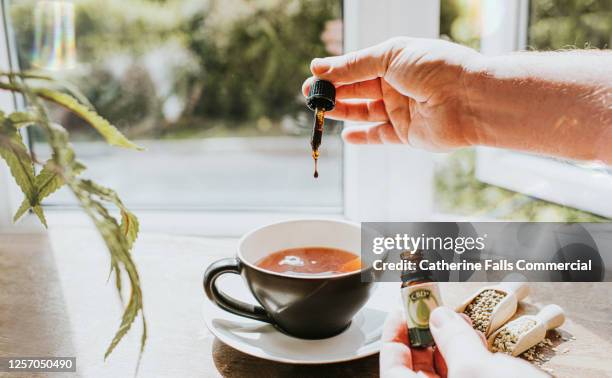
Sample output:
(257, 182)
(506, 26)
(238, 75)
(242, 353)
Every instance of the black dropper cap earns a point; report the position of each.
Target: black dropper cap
(322, 95)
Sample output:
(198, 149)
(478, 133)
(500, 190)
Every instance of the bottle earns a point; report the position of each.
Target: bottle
(321, 99)
(420, 295)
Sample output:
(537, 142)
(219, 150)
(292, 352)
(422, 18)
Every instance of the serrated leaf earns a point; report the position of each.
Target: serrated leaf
(54, 82)
(116, 238)
(109, 132)
(115, 269)
(39, 213)
(16, 156)
(25, 206)
(92, 198)
(49, 180)
(46, 182)
(129, 226)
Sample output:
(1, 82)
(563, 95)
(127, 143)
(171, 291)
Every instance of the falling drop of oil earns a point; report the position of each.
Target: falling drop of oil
(315, 156)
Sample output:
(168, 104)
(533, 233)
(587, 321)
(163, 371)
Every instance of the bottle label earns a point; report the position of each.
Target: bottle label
(419, 301)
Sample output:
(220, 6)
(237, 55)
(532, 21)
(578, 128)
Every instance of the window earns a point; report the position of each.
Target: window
(213, 92)
(210, 89)
(257, 163)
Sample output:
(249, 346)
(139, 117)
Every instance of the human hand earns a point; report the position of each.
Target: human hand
(460, 351)
(413, 88)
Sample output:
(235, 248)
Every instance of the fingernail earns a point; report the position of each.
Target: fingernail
(319, 66)
(440, 316)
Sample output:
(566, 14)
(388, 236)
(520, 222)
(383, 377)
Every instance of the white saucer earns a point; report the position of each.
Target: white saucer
(360, 339)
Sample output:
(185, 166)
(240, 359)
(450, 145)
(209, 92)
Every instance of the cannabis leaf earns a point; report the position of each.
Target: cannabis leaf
(109, 132)
(63, 170)
(118, 239)
(53, 83)
(46, 182)
(16, 156)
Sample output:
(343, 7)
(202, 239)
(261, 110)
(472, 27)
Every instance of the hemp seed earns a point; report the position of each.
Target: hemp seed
(534, 355)
(508, 337)
(481, 308)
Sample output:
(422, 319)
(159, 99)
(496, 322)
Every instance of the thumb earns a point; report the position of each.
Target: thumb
(455, 338)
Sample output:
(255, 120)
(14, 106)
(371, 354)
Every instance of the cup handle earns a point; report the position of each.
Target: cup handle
(214, 271)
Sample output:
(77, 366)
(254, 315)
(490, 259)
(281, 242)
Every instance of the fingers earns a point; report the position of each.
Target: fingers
(455, 338)
(383, 133)
(360, 65)
(396, 357)
(395, 353)
(394, 329)
(362, 111)
(439, 362)
(369, 89)
(480, 334)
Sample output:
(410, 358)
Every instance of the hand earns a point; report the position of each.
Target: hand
(413, 88)
(460, 351)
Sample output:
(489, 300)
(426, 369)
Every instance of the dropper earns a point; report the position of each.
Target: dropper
(321, 98)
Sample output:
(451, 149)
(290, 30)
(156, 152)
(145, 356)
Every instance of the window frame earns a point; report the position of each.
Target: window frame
(378, 183)
(505, 29)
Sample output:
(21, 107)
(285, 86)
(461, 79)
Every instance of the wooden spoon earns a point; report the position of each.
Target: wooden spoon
(549, 317)
(506, 308)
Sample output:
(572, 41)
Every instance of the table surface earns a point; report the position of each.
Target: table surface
(55, 301)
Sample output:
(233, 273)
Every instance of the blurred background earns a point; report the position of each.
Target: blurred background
(212, 90)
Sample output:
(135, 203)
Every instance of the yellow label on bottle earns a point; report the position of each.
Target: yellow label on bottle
(419, 301)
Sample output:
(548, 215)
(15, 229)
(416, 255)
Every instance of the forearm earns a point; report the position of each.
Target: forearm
(557, 104)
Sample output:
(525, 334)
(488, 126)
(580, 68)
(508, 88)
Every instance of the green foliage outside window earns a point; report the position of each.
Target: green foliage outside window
(238, 69)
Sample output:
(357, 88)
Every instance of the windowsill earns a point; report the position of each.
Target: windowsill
(184, 222)
(199, 222)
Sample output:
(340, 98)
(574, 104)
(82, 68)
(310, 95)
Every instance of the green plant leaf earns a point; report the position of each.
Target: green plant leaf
(118, 239)
(46, 182)
(109, 132)
(53, 82)
(25, 206)
(39, 213)
(19, 161)
(22, 119)
(129, 226)
(63, 169)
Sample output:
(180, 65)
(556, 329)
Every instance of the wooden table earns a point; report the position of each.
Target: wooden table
(55, 301)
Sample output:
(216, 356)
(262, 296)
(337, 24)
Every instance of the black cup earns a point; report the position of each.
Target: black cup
(309, 307)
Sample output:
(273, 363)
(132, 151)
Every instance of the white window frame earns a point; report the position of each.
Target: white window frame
(381, 183)
(388, 183)
(505, 27)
